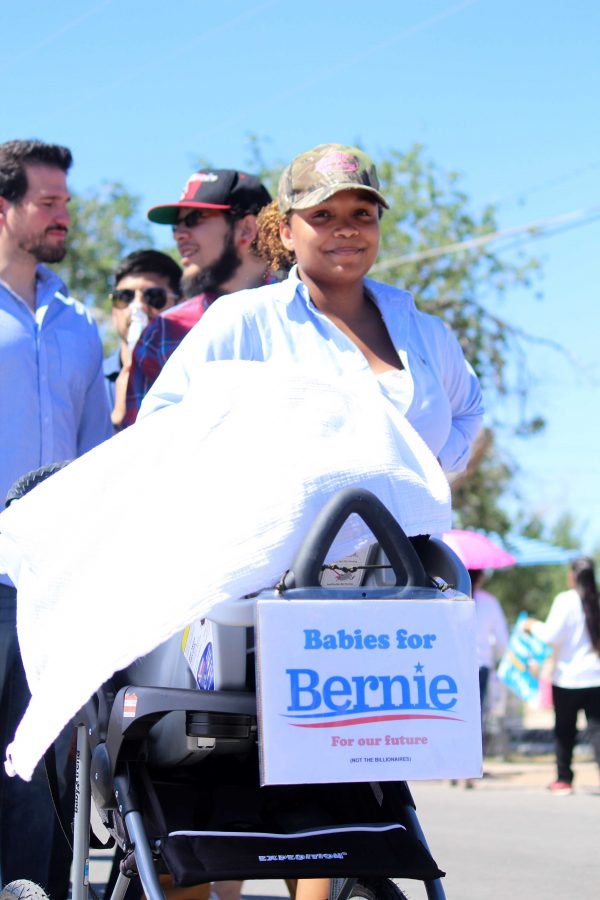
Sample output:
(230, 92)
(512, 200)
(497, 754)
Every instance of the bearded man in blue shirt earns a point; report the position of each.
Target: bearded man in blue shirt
(53, 407)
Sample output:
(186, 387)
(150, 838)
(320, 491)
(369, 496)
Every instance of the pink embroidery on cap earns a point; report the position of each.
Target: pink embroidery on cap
(337, 160)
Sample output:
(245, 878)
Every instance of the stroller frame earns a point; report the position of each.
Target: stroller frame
(111, 742)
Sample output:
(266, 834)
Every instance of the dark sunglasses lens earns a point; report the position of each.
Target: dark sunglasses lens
(190, 220)
(122, 297)
(155, 297)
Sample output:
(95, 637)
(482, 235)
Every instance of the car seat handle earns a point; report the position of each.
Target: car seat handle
(306, 568)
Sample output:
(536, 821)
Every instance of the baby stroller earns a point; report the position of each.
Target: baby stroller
(173, 770)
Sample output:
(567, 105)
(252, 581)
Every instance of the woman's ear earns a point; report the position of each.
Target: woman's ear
(285, 233)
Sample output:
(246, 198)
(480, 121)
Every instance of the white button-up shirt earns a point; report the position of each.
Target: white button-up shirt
(279, 323)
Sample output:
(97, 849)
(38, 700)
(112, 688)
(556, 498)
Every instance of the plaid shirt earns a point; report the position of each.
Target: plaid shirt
(157, 342)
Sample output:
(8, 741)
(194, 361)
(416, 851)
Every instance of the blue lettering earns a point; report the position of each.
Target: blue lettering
(364, 682)
(436, 688)
(414, 641)
(312, 639)
(330, 691)
(308, 687)
(385, 692)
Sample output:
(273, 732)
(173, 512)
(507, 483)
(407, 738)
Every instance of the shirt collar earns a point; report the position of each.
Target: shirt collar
(48, 284)
(394, 304)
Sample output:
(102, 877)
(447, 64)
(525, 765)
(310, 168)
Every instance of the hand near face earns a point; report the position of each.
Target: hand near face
(118, 412)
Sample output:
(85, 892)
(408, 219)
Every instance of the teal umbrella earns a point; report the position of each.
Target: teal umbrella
(529, 551)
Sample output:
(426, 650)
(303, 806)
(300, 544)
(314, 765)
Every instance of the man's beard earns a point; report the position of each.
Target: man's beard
(211, 278)
(42, 251)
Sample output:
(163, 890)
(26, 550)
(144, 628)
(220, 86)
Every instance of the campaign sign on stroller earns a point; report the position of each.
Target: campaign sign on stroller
(377, 690)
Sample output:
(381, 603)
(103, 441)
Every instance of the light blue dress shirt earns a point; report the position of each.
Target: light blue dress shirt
(53, 403)
(279, 323)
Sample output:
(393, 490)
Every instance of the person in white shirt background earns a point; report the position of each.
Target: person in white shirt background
(573, 630)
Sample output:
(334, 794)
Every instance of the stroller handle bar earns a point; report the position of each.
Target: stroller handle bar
(401, 554)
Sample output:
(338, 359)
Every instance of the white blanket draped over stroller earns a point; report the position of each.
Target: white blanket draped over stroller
(191, 509)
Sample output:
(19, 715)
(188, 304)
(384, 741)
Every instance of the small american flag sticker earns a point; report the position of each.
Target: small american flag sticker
(130, 705)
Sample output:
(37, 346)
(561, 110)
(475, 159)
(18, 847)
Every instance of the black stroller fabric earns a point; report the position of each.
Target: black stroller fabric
(228, 827)
(368, 851)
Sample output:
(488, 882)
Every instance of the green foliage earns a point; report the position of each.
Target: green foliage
(476, 498)
(429, 210)
(530, 588)
(258, 165)
(106, 226)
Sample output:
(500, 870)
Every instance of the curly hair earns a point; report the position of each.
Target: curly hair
(268, 239)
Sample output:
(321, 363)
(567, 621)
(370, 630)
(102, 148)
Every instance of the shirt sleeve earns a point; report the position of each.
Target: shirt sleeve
(223, 333)
(466, 403)
(555, 629)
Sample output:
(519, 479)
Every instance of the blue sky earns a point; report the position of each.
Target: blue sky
(503, 91)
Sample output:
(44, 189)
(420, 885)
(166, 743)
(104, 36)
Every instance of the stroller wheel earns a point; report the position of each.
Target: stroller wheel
(376, 889)
(23, 890)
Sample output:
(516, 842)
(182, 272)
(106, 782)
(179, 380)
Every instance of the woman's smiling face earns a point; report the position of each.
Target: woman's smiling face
(335, 242)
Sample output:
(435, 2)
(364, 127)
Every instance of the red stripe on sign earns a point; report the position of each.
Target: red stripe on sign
(367, 720)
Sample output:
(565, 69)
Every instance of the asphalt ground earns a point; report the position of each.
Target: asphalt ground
(459, 824)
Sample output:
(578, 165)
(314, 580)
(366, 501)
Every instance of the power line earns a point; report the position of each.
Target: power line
(32, 50)
(535, 229)
(346, 62)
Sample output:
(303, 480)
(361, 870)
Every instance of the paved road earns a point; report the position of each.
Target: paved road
(508, 837)
(521, 843)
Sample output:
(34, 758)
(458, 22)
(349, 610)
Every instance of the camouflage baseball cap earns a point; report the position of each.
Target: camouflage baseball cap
(318, 174)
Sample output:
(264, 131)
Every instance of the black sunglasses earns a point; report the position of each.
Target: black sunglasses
(156, 297)
(195, 216)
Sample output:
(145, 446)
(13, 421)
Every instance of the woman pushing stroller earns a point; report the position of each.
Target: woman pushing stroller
(324, 228)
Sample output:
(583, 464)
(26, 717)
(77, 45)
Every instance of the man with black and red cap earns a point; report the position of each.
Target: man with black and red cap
(214, 224)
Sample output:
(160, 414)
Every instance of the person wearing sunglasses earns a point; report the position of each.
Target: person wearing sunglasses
(214, 226)
(146, 284)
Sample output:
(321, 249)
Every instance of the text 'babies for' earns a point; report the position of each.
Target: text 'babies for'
(358, 694)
